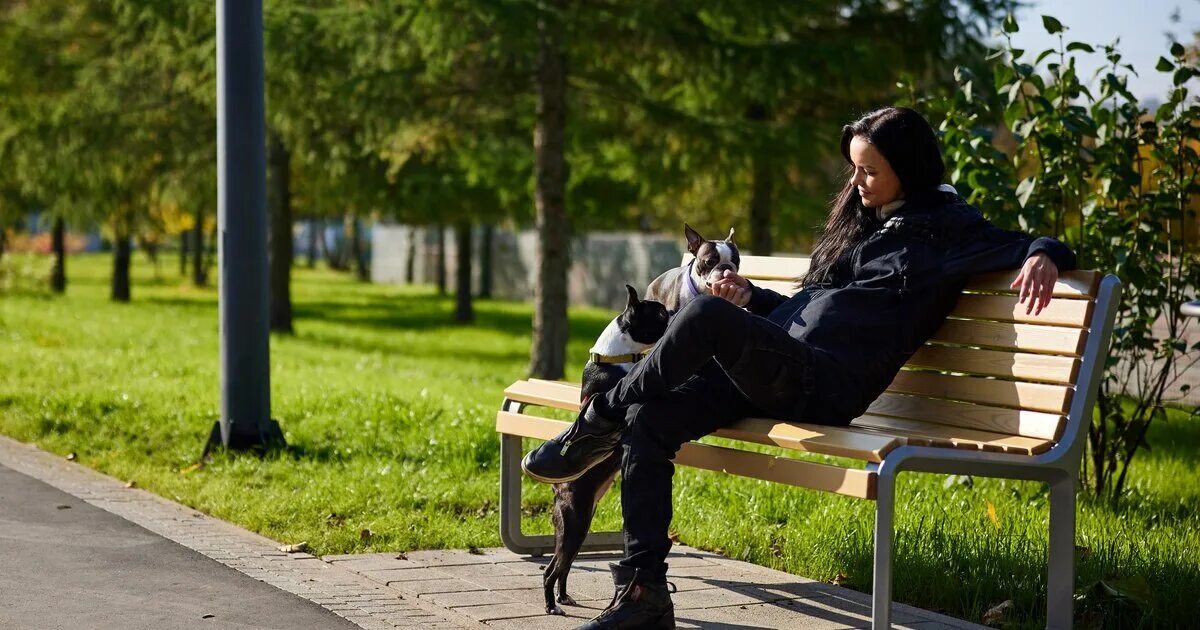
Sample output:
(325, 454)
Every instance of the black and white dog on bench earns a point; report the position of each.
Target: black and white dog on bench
(622, 343)
(711, 259)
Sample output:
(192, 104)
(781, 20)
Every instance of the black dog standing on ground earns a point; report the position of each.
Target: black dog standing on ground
(638, 327)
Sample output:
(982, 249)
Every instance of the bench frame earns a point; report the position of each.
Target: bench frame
(1059, 467)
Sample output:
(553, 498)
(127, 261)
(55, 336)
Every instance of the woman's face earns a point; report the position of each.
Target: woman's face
(874, 178)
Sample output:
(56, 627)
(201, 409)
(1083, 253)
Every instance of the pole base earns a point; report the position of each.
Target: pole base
(268, 438)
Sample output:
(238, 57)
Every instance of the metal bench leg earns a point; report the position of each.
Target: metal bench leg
(1060, 577)
(510, 505)
(885, 510)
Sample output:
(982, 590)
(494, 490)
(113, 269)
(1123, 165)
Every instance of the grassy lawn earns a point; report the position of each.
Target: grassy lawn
(388, 410)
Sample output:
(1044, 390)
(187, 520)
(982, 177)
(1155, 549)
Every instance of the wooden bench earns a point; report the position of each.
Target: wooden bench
(995, 392)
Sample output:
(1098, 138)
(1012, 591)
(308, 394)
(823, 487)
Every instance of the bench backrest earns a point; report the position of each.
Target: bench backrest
(991, 368)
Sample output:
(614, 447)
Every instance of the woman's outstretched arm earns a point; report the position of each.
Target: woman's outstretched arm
(977, 246)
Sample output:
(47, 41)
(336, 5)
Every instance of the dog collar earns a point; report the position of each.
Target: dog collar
(615, 358)
(691, 285)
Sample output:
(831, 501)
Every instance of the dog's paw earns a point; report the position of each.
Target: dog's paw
(555, 610)
(566, 599)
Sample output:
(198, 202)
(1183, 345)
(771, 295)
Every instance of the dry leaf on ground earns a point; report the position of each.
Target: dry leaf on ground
(997, 614)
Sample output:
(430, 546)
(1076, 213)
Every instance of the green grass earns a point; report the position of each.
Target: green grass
(388, 410)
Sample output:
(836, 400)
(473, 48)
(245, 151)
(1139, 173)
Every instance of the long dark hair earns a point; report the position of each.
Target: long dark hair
(905, 138)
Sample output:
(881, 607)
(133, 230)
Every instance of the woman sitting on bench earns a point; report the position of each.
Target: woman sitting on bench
(895, 253)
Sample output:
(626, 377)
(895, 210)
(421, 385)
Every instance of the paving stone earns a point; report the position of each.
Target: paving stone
(471, 598)
(506, 582)
(535, 597)
(387, 576)
(372, 562)
(543, 622)
(499, 611)
(787, 614)
(772, 592)
(447, 557)
(528, 566)
(425, 587)
(470, 571)
(713, 597)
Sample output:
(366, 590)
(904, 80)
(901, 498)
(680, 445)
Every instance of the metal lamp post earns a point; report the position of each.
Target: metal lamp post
(245, 421)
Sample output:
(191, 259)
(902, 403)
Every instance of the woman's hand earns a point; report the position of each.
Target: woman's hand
(732, 287)
(1036, 281)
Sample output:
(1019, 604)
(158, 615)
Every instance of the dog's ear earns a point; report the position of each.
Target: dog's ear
(633, 298)
(694, 240)
(729, 239)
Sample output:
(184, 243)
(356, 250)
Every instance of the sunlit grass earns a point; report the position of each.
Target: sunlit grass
(388, 409)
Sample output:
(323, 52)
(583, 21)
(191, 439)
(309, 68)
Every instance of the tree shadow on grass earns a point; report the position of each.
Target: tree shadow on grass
(382, 313)
(408, 312)
(499, 359)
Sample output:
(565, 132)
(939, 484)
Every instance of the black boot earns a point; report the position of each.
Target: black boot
(568, 455)
(640, 602)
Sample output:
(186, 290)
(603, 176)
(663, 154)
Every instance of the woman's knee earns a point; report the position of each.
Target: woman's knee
(706, 311)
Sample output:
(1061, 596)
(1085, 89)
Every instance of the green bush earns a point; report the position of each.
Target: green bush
(1036, 147)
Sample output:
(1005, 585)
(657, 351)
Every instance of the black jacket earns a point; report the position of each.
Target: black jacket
(889, 294)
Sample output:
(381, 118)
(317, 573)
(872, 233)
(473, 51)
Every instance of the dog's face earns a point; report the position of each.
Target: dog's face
(713, 258)
(644, 321)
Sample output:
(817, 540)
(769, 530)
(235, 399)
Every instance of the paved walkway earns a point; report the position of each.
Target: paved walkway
(68, 564)
(117, 556)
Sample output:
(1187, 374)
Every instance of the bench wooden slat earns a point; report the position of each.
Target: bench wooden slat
(925, 434)
(836, 441)
(1017, 394)
(1020, 365)
(846, 481)
(1071, 284)
(812, 438)
(1010, 336)
(1007, 308)
(770, 267)
(544, 393)
(1035, 424)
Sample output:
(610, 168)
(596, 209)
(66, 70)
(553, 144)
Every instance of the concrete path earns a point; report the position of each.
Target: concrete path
(503, 590)
(68, 564)
(120, 557)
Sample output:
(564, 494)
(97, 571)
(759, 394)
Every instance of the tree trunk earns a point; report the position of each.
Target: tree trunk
(463, 311)
(199, 272)
(441, 259)
(323, 245)
(58, 275)
(312, 244)
(485, 262)
(357, 252)
(3, 240)
(151, 249)
(548, 352)
(410, 258)
(122, 252)
(343, 249)
(760, 197)
(210, 254)
(184, 238)
(279, 203)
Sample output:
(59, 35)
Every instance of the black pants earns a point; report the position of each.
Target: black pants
(715, 365)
